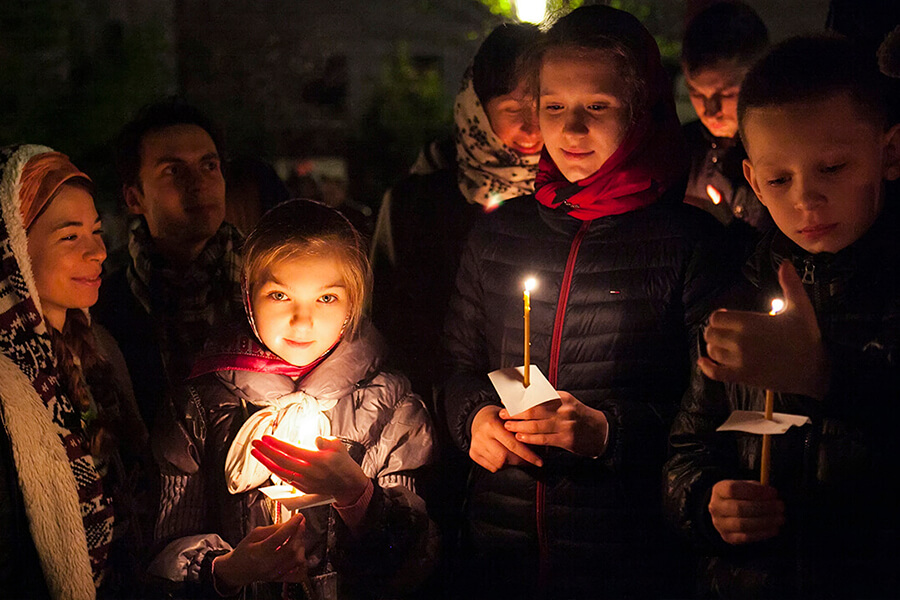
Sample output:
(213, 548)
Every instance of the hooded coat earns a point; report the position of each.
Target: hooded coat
(43, 545)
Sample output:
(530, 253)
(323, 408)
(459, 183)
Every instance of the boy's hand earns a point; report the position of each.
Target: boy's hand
(493, 447)
(565, 423)
(329, 470)
(273, 553)
(745, 511)
(782, 352)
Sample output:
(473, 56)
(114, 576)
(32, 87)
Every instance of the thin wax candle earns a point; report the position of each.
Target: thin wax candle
(766, 458)
(526, 296)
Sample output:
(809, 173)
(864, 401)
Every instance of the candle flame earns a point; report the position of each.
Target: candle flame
(713, 194)
(777, 306)
(530, 284)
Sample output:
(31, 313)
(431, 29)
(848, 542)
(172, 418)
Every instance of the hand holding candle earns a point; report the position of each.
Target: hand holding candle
(784, 353)
(530, 284)
(329, 470)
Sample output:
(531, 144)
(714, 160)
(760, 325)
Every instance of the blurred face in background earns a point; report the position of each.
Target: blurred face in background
(714, 95)
(513, 118)
(181, 190)
(67, 253)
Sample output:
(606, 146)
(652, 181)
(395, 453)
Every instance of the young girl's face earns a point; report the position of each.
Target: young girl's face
(300, 306)
(67, 253)
(583, 111)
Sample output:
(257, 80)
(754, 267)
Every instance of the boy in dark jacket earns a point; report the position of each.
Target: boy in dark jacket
(821, 156)
(720, 45)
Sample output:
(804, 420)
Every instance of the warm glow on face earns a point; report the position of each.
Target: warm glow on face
(530, 284)
(713, 194)
(531, 11)
(777, 306)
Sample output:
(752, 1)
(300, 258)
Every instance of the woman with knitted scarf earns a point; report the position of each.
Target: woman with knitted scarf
(71, 435)
(563, 499)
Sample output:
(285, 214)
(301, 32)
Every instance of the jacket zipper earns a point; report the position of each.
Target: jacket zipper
(556, 340)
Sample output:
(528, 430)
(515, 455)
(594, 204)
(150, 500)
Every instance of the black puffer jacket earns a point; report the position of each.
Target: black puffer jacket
(835, 476)
(617, 298)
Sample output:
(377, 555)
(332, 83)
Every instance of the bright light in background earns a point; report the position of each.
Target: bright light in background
(531, 11)
(713, 194)
(530, 284)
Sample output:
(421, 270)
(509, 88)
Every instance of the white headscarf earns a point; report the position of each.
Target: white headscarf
(489, 170)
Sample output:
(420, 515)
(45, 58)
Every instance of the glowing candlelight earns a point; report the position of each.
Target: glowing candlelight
(714, 194)
(766, 458)
(530, 284)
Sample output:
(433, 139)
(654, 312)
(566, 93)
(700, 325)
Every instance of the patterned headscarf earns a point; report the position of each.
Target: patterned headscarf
(489, 170)
(69, 516)
(41, 178)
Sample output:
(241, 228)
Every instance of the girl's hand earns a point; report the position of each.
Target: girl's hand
(273, 553)
(493, 447)
(565, 423)
(329, 470)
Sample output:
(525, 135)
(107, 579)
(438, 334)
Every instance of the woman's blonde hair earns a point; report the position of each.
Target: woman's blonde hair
(299, 228)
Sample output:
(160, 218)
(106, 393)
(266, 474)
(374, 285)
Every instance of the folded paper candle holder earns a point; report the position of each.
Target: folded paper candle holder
(293, 499)
(515, 396)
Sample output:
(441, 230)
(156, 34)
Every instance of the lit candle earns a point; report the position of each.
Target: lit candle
(529, 285)
(766, 458)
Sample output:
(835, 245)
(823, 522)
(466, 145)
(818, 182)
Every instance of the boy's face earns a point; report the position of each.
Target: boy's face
(300, 306)
(819, 166)
(714, 95)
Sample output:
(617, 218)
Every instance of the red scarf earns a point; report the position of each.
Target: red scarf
(649, 160)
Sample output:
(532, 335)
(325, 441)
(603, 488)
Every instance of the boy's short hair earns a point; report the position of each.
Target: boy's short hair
(724, 31)
(495, 68)
(300, 228)
(155, 117)
(815, 67)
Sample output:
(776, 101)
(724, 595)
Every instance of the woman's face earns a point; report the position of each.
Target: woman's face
(67, 253)
(583, 112)
(513, 118)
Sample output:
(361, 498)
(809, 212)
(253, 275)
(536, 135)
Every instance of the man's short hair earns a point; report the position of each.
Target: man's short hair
(151, 118)
(815, 67)
(724, 31)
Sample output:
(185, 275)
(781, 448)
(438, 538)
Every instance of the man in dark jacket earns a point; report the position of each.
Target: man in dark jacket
(182, 274)
(814, 119)
(720, 44)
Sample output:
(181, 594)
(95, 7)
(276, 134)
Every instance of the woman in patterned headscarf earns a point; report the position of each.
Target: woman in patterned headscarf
(425, 218)
(63, 401)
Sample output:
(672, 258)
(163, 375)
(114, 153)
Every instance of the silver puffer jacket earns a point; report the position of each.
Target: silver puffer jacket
(386, 429)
